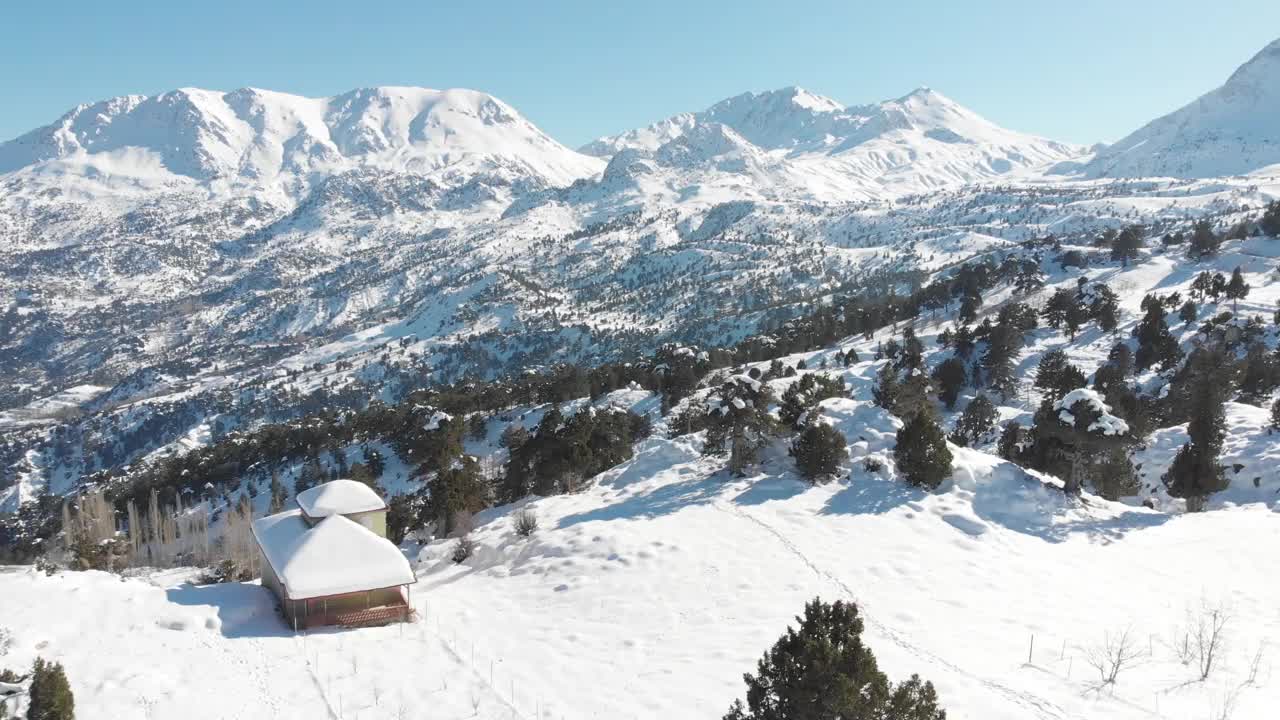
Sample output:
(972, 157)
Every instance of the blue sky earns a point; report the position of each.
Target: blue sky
(1078, 71)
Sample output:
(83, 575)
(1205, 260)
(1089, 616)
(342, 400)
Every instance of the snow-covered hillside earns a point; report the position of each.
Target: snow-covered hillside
(1228, 131)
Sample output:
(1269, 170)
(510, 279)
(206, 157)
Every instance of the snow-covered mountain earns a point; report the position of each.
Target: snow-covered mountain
(196, 242)
(919, 141)
(259, 138)
(1232, 130)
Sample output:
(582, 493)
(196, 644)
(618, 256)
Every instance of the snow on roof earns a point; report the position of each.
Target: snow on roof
(336, 556)
(339, 497)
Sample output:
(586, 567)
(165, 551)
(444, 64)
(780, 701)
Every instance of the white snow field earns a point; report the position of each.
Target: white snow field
(649, 594)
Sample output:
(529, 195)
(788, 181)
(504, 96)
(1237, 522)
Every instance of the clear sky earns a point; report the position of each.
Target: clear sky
(1075, 70)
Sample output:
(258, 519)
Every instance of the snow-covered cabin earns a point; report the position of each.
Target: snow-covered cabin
(329, 561)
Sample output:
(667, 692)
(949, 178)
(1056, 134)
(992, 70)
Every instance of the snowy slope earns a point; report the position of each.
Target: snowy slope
(664, 582)
(1229, 131)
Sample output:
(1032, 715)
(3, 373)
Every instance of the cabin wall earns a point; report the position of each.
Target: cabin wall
(321, 611)
(375, 520)
(269, 579)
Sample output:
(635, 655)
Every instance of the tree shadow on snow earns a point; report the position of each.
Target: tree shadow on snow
(244, 610)
(871, 495)
(770, 489)
(662, 500)
(1022, 502)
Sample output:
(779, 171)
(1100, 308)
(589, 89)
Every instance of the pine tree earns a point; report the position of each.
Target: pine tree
(823, 671)
(1188, 313)
(997, 362)
(1126, 245)
(1237, 289)
(739, 419)
(1060, 304)
(1057, 376)
(1204, 241)
(1080, 427)
(1156, 345)
(978, 419)
(921, 452)
(804, 394)
(1259, 376)
(1270, 222)
(1195, 473)
(1275, 414)
(818, 451)
(1115, 477)
(49, 697)
(1104, 308)
(950, 375)
(969, 306)
(886, 391)
(911, 356)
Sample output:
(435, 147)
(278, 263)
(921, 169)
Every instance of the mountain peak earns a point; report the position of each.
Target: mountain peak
(1230, 130)
(253, 136)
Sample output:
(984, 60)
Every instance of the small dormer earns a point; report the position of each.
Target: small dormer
(353, 500)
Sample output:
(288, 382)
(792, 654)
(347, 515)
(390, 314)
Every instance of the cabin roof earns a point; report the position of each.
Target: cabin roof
(339, 497)
(336, 556)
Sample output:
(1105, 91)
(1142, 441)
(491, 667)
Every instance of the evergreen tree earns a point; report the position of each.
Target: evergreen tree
(1275, 414)
(997, 362)
(913, 396)
(978, 419)
(1237, 289)
(1080, 429)
(1059, 306)
(1056, 376)
(1201, 285)
(823, 671)
(1195, 473)
(1259, 376)
(921, 453)
(911, 356)
(1188, 313)
(1156, 345)
(738, 417)
(887, 389)
(1126, 245)
(49, 697)
(950, 375)
(804, 394)
(1104, 308)
(455, 491)
(969, 306)
(1011, 439)
(962, 342)
(818, 450)
(1270, 222)
(1204, 241)
(1115, 477)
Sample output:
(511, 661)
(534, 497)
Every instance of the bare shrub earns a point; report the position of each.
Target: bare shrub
(1208, 636)
(526, 522)
(1116, 653)
(464, 549)
(1255, 664)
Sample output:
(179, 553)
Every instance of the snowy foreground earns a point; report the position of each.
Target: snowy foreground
(649, 594)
